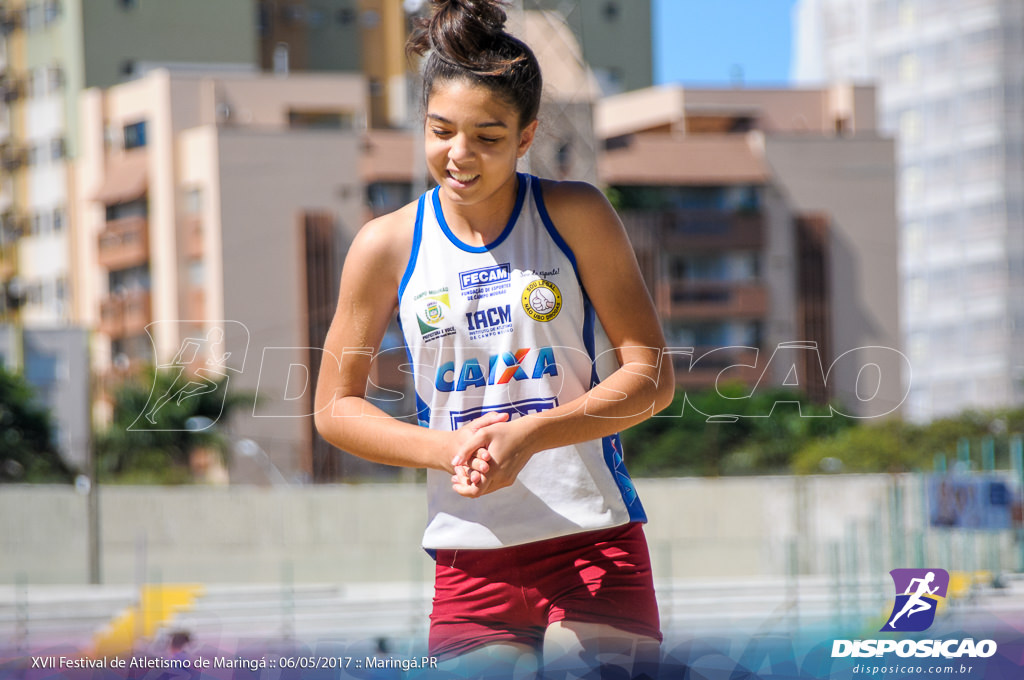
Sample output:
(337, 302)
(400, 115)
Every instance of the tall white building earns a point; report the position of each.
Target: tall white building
(951, 88)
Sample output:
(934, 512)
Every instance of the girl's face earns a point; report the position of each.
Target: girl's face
(473, 141)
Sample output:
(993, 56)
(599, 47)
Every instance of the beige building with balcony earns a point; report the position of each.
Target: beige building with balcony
(765, 225)
(214, 214)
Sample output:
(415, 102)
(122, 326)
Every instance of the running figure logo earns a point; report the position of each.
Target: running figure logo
(918, 592)
(201, 365)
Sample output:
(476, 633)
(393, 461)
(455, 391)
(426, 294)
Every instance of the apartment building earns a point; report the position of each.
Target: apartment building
(214, 214)
(765, 225)
(950, 78)
(54, 49)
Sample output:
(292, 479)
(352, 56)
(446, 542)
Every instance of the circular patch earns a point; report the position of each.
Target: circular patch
(542, 300)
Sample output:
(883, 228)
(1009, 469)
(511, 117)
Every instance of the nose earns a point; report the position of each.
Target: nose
(460, 149)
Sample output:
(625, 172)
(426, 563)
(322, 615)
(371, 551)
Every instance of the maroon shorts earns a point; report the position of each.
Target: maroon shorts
(513, 594)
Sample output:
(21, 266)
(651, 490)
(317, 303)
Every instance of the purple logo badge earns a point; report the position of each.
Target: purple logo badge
(918, 592)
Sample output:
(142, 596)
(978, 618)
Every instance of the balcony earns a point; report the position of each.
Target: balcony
(700, 230)
(711, 301)
(125, 314)
(124, 243)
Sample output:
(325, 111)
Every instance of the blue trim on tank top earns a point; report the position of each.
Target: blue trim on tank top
(612, 448)
(542, 210)
(417, 237)
(439, 214)
(422, 407)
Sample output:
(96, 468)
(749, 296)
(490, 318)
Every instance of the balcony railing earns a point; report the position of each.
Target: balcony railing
(704, 230)
(124, 243)
(711, 300)
(125, 314)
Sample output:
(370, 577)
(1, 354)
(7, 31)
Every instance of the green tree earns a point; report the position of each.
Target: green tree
(897, 446)
(27, 452)
(133, 450)
(728, 431)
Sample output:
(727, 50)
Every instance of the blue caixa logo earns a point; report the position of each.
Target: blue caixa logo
(918, 592)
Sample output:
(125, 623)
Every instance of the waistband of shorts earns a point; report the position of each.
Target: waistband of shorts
(525, 551)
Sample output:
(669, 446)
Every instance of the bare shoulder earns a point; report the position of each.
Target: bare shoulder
(566, 197)
(384, 243)
(580, 212)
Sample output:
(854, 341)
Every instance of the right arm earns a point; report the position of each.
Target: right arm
(366, 299)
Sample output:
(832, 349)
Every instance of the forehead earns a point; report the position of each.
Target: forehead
(465, 101)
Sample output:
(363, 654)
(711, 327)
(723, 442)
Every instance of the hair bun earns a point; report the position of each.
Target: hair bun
(488, 15)
(460, 32)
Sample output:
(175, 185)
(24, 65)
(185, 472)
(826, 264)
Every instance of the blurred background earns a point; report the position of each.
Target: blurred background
(826, 199)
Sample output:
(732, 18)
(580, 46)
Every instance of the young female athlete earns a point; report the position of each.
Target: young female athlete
(499, 279)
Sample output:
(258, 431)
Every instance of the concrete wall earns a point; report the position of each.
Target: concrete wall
(749, 527)
(854, 184)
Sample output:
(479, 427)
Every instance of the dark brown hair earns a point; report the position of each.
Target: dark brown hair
(465, 39)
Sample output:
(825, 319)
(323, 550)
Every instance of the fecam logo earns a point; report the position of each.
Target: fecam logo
(918, 592)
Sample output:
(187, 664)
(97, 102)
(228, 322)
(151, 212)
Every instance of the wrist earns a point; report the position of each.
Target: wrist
(439, 451)
(529, 431)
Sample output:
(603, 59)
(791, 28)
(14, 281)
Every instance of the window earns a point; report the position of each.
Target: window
(196, 273)
(907, 14)
(42, 369)
(33, 17)
(910, 127)
(55, 78)
(51, 11)
(385, 197)
(37, 82)
(34, 154)
(909, 68)
(135, 135)
(123, 280)
(193, 201)
(57, 148)
(321, 120)
(137, 208)
(345, 16)
(59, 220)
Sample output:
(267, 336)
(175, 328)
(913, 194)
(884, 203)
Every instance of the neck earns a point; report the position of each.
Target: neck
(481, 223)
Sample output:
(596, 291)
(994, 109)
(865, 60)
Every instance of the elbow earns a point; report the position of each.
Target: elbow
(666, 390)
(326, 423)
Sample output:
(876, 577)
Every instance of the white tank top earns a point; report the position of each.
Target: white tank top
(507, 327)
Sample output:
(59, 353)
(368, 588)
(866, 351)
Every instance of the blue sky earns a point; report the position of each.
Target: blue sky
(710, 41)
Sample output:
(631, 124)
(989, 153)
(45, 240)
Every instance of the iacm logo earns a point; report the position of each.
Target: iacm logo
(918, 592)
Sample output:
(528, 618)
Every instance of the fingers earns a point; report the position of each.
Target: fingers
(468, 490)
(476, 441)
(489, 418)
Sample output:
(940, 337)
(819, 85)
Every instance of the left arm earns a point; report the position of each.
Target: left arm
(644, 383)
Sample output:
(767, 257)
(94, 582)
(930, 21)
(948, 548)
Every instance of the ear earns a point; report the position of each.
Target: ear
(526, 138)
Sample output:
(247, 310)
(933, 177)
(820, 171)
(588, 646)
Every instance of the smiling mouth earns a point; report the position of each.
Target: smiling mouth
(463, 178)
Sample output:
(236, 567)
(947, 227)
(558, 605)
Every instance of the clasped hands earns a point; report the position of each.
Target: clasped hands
(490, 453)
